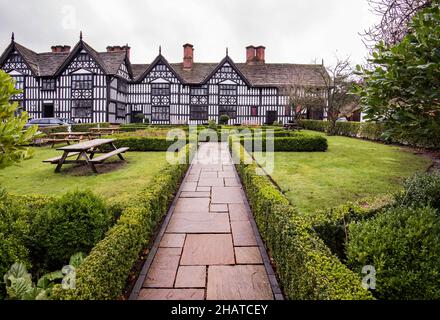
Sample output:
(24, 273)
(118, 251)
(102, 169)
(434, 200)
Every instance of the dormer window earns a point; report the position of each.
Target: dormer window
(48, 84)
(122, 85)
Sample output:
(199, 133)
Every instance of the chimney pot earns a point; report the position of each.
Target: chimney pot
(60, 48)
(120, 49)
(188, 56)
(260, 54)
(250, 54)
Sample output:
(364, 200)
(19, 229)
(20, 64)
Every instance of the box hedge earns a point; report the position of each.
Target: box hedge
(403, 244)
(305, 265)
(370, 131)
(104, 273)
(298, 142)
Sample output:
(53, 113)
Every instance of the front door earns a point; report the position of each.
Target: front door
(271, 117)
(48, 110)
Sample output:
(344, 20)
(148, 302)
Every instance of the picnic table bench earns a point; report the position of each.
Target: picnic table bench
(68, 137)
(85, 153)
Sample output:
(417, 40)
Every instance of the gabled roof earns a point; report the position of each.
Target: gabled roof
(159, 59)
(50, 64)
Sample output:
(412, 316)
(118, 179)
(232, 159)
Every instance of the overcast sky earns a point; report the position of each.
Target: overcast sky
(293, 31)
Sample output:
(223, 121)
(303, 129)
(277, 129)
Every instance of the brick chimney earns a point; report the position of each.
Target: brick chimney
(188, 56)
(119, 49)
(59, 48)
(250, 55)
(260, 54)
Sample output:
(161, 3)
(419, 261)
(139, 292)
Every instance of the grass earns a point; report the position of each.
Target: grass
(351, 170)
(118, 178)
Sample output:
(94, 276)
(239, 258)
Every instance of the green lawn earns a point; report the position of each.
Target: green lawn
(34, 177)
(352, 169)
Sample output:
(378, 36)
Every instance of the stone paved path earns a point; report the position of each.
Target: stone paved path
(208, 247)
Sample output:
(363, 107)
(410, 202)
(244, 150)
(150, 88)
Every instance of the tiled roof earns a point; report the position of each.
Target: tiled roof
(269, 74)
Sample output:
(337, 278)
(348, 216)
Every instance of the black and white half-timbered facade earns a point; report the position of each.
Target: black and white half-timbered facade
(89, 86)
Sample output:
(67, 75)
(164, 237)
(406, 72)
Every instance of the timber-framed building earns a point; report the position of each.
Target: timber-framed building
(85, 85)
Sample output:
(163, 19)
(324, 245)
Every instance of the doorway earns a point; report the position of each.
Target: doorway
(48, 110)
(271, 117)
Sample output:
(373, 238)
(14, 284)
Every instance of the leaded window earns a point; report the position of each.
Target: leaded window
(198, 113)
(160, 113)
(120, 110)
(82, 82)
(160, 89)
(48, 84)
(230, 111)
(161, 67)
(122, 85)
(228, 89)
(82, 108)
(228, 100)
(199, 91)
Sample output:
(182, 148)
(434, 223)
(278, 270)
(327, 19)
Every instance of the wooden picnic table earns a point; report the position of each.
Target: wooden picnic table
(58, 137)
(85, 153)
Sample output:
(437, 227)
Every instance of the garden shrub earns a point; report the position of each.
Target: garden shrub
(104, 272)
(13, 232)
(85, 127)
(371, 131)
(146, 143)
(306, 267)
(332, 225)
(298, 142)
(72, 223)
(403, 245)
(420, 190)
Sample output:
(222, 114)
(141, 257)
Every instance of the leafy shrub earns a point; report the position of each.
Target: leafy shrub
(104, 272)
(403, 245)
(420, 190)
(14, 230)
(332, 225)
(19, 285)
(85, 127)
(223, 120)
(73, 223)
(306, 267)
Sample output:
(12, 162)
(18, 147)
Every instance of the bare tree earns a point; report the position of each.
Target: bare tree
(395, 17)
(302, 99)
(338, 82)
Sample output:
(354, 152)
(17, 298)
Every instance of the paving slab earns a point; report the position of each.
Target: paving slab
(189, 186)
(243, 234)
(238, 212)
(232, 182)
(192, 205)
(208, 249)
(226, 195)
(172, 240)
(242, 282)
(248, 255)
(211, 182)
(191, 277)
(172, 294)
(195, 194)
(163, 269)
(219, 208)
(203, 222)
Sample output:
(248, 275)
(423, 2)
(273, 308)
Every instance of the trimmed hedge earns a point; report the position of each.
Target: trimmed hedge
(305, 265)
(298, 142)
(104, 272)
(146, 143)
(370, 131)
